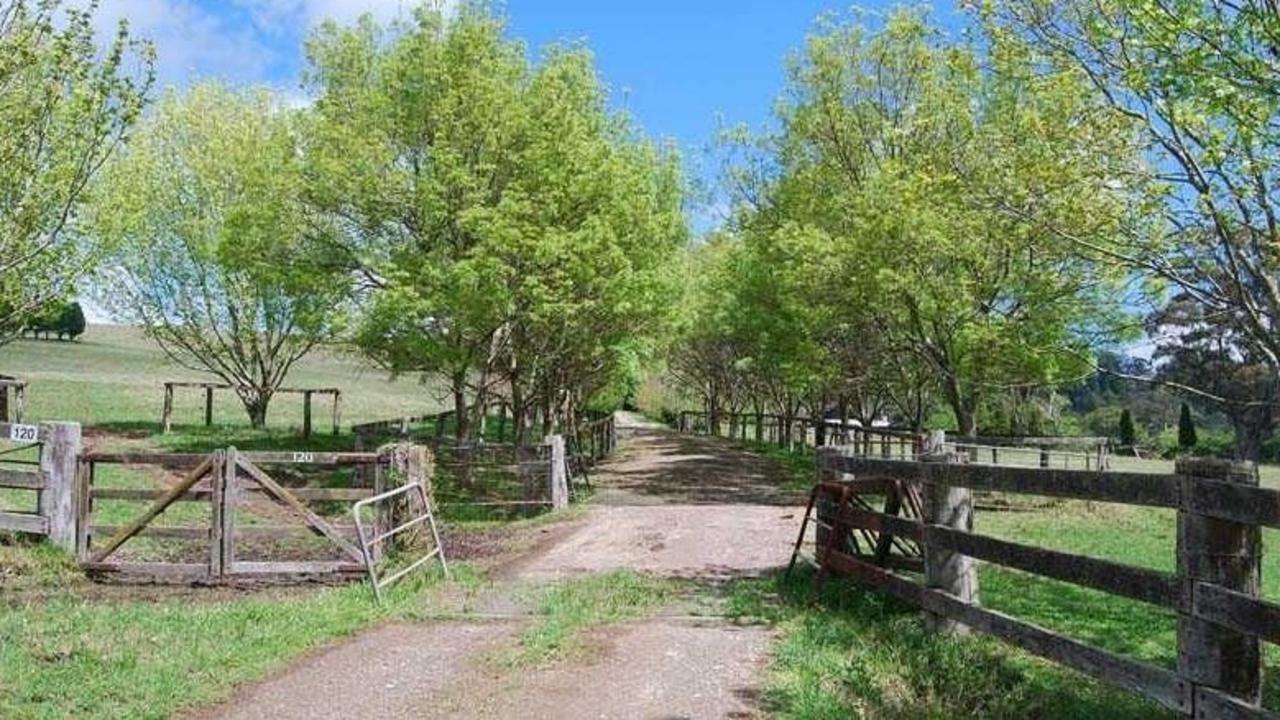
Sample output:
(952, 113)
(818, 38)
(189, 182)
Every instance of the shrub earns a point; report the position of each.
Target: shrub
(64, 320)
(1186, 428)
(1128, 434)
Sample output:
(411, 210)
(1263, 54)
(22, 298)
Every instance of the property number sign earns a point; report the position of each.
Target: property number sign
(24, 433)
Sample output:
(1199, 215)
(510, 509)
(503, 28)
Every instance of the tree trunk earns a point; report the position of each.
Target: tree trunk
(480, 411)
(256, 407)
(844, 420)
(964, 407)
(1252, 428)
(547, 417)
(517, 413)
(461, 417)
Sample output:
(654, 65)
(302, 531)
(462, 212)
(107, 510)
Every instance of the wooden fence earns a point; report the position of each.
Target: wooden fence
(1215, 590)
(1050, 451)
(166, 415)
(245, 523)
(17, 389)
(40, 461)
(502, 474)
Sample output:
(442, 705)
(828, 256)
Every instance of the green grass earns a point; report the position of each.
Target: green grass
(113, 376)
(63, 657)
(566, 610)
(851, 664)
(847, 652)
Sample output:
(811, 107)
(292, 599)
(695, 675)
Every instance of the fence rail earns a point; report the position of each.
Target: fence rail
(50, 478)
(1215, 590)
(585, 444)
(897, 443)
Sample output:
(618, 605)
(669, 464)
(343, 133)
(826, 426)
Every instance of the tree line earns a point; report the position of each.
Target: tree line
(447, 207)
(968, 222)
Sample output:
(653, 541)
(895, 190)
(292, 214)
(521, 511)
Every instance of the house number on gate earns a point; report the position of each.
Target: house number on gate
(24, 433)
(303, 457)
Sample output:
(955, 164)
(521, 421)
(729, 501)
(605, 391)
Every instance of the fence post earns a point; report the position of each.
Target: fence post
(1227, 554)
(559, 479)
(337, 412)
(58, 461)
(950, 507)
(230, 500)
(166, 415)
(306, 414)
(414, 464)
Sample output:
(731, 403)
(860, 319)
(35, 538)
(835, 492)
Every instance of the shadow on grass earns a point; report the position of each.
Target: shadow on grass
(845, 651)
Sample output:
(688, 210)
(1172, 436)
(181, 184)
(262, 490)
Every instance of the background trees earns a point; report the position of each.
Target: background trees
(64, 108)
(894, 230)
(62, 320)
(512, 235)
(213, 253)
(1201, 79)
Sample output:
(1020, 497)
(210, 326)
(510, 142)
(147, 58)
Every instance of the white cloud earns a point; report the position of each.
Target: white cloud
(242, 41)
(278, 14)
(190, 41)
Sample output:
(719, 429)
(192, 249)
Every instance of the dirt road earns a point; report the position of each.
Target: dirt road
(667, 505)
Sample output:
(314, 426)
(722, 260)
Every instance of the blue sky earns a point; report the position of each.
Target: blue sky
(677, 66)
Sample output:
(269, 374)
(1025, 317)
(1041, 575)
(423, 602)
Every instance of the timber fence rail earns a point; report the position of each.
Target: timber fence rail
(39, 462)
(1214, 591)
(233, 515)
(166, 414)
(1046, 452)
(485, 474)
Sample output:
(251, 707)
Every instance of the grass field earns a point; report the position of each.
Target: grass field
(148, 657)
(113, 377)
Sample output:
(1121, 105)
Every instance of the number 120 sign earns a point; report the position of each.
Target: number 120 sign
(24, 433)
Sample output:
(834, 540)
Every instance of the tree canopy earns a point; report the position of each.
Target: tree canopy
(65, 107)
(513, 235)
(213, 252)
(893, 226)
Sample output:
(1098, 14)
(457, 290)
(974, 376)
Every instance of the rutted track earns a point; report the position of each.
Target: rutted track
(667, 505)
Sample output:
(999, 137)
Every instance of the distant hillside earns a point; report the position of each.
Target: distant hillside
(114, 375)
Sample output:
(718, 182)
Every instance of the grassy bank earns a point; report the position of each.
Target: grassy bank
(566, 610)
(847, 652)
(150, 653)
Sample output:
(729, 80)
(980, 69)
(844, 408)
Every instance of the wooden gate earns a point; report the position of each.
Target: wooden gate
(252, 524)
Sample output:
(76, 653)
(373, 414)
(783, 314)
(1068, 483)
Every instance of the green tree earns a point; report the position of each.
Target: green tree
(1128, 434)
(64, 108)
(1186, 429)
(1201, 79)
(899, 157)
(66, 320)
(214, 254)
(513, 235)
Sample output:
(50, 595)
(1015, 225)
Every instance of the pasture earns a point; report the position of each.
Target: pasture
(111, 379)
